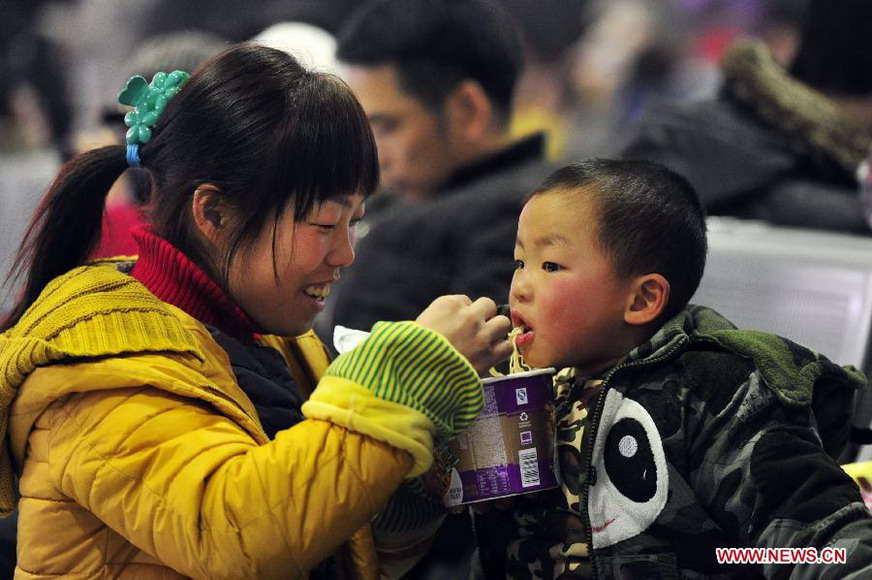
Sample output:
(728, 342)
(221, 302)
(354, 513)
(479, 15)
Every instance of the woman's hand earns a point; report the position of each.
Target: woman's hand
(473, 328)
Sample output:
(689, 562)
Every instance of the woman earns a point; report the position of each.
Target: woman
(157, 421)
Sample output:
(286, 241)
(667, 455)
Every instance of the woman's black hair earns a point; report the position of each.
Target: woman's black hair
(253, 123)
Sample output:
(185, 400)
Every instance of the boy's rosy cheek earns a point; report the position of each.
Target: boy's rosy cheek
(566, 293)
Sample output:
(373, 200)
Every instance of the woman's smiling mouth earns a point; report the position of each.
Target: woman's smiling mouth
(317, 291)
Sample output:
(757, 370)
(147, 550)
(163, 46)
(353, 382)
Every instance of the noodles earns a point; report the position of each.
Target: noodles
(516, 361)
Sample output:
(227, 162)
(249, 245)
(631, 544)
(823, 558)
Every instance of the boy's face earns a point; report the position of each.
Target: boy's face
(565, 291)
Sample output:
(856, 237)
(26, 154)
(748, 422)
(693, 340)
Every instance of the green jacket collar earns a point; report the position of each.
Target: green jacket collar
(790, 370)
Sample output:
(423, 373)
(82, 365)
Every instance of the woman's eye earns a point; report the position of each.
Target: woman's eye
(551, 266)
(517, 265)
(325, 227)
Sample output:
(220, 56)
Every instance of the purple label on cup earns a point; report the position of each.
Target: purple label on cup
(509, 448)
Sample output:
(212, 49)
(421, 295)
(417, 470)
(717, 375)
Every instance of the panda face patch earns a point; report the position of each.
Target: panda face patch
(629, 462)
(631, 484)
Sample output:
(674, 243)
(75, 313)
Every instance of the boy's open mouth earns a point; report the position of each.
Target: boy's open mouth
(524, 338)
(526, 334)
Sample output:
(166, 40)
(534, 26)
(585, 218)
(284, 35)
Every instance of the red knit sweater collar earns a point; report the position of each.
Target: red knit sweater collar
(174, 278)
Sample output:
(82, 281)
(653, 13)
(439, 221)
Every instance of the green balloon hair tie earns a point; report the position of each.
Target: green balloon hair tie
(148, 102)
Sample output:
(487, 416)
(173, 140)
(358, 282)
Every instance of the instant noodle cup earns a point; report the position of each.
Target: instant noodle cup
(509, 448)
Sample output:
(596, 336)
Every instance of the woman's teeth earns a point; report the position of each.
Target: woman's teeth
(319, 291)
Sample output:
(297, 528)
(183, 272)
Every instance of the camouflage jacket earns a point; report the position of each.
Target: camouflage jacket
(705, 437)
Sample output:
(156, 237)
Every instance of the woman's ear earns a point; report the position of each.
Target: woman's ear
(648, 298)
(210, 212)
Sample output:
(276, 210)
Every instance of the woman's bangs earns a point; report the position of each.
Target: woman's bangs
(335, 153)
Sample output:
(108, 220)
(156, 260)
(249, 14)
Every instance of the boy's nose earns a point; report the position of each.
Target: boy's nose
(519, 290)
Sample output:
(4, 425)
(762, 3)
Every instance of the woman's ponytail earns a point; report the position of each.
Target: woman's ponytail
(66, 226)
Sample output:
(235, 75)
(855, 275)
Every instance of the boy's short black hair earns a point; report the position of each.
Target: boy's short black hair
(435, 45)
(650, 220)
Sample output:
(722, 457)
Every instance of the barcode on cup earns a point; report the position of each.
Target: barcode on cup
(528, 461)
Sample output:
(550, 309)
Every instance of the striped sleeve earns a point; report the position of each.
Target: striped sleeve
(403, 385)
(412, 508)
(405, 363)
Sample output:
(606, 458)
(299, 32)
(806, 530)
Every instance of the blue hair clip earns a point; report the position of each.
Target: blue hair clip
(133, 155)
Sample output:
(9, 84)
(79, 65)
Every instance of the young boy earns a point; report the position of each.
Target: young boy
(677, 433)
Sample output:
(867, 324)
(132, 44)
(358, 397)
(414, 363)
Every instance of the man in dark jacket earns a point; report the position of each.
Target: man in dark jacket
(436, 80)
(781, 146)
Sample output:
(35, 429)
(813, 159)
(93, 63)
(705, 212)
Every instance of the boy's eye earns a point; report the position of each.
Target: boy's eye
(517, 265)
(551, 266)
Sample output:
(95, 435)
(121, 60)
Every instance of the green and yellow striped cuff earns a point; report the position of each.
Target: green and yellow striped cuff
(405, 363)
(403, 385)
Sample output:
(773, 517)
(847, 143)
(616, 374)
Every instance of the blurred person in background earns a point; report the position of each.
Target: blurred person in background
(631, 52)
(780, 28)
(310, 44)
(544, 98)
(328, 15)
(778, 145)
(35, 125)
(637, 52)
(432, 90)
(35, 122)
(436, 80)
(34, 84)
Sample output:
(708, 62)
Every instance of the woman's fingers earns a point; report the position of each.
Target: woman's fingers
(472, 327)
(484, 306)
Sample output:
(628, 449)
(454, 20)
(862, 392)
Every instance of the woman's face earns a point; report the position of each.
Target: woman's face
(283, 291)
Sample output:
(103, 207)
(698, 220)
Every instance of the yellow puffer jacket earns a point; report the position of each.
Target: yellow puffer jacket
(139, 455)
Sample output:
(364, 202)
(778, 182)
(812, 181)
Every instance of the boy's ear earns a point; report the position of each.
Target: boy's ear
(469, 111)
(648, 298)
(210, 212)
